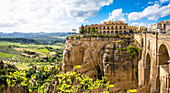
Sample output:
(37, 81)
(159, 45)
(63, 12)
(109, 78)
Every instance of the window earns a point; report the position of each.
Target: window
(124, 27)
(104, 32)
(108, 27)
(112, 27)
(100, 28)
(116, 32)
(104, 27)
(120, 27)
(108, 32)
(116, 27)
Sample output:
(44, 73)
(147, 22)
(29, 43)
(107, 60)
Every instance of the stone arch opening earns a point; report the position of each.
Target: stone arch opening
(142, 42)
(120, 32)
(112, 32)
(108, 32)
(104, 32)
(163, 55)
(100, 32)
(147, 69)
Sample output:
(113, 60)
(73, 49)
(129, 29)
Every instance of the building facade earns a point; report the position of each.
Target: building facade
(142, 29)
(161, 27)
(109, 27)
(113, 27)
(133, 28)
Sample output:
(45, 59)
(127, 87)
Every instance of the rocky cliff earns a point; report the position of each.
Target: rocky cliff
(102, 57)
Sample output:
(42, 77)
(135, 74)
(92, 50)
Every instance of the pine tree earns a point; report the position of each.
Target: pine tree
(81, 31)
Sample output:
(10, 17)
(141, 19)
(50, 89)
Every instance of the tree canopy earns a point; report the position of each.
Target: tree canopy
(81, 31)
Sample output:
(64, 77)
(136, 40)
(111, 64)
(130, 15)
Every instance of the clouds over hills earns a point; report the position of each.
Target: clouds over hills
(45, 15)
(62, 16)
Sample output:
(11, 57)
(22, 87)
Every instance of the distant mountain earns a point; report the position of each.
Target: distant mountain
(20, 40)
(34, 38)
(29, 35)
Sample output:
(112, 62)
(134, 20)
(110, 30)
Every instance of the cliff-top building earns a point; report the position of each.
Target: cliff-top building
(113, 27)
(142, 29)
(109, 27)
(133, 28)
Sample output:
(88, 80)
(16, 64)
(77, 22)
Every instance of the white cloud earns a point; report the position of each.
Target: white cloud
(116, 15)
(150, 2)
(156, 2)
(136, 3)
(138, 24)
(141, 24)
(163, 0)
(45, 15)
(151, 12)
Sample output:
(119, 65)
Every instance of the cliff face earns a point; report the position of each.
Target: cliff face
(102, 57)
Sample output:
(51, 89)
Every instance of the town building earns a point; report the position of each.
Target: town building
(142, 29)
(109, 27)
(133, 28)
(87, 28)
(153, 28)
(113, 27)
(161, 27)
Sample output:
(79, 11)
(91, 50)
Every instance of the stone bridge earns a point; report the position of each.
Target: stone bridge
(153, 68)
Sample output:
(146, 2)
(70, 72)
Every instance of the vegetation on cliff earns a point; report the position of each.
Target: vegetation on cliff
(43, 80)
(134, 52)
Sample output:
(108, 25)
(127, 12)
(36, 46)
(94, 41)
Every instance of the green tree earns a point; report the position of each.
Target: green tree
(85, 30)
(93, 30)
(134, 52)
(74, 31)
(131, 31)
(81, 31)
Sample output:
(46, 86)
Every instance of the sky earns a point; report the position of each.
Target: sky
(64, 15)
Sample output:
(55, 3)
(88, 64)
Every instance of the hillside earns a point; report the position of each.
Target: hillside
(28, 35)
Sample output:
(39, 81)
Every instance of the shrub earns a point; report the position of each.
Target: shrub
(40, 79)
(121, 37)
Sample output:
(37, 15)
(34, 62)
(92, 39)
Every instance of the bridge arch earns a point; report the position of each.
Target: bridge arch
(163, 55)
(147, 69)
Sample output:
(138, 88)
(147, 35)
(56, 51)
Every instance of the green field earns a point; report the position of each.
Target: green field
(30, 54)
(31, 45)
(43, 50)
(5, 55)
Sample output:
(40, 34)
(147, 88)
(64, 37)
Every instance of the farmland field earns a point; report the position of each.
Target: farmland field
(25, 55)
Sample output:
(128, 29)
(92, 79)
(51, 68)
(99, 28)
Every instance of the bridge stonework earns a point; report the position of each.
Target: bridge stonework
(155, 55)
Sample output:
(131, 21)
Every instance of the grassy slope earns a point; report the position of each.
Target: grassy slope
(5, 55)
